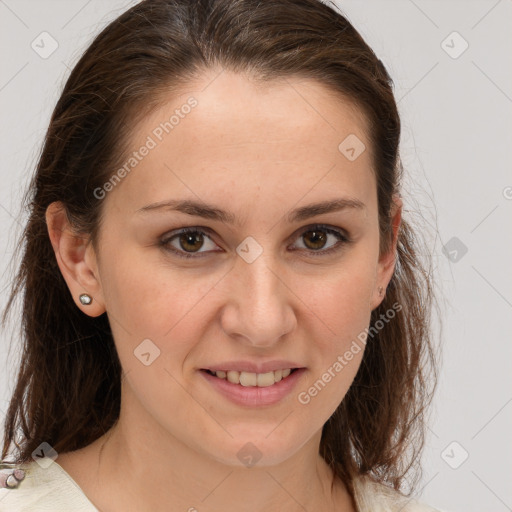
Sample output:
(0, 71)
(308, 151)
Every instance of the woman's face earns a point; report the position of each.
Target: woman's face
(262, 289)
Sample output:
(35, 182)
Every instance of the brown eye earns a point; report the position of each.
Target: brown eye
(317, 237)
(191, 241)
(187, 242)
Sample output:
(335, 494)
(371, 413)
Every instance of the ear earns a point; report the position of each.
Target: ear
(386, 263)
(76, 259)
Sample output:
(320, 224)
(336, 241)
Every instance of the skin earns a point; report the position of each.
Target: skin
(258, 151)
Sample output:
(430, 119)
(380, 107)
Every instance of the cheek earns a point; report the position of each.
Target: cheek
(340, 300)
(338, 316)
(151, 309)
(149, 296)
(157, 310)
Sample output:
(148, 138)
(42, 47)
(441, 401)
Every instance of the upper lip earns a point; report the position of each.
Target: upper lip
(252, 367)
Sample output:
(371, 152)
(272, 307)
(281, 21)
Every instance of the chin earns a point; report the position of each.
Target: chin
(256, 448)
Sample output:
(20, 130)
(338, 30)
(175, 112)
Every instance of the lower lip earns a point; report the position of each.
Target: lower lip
(254, 396)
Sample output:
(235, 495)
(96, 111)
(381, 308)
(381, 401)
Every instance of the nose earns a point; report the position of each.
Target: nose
(259, 309)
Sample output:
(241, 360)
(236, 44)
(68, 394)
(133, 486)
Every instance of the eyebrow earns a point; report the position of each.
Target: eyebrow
(212, 212)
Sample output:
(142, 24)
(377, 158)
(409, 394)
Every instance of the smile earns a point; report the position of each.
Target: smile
(249, 379)
(253, 389)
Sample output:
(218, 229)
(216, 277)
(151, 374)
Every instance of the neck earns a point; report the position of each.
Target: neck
(139, 468)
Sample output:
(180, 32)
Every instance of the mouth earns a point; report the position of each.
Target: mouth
(249, 389)
(248, 379)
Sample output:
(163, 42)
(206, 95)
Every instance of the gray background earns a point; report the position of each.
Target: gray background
(456, 112)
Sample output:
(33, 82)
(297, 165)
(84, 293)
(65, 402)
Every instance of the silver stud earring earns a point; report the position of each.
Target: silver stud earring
(85, 299)
(380, 290)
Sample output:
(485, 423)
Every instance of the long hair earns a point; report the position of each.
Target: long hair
(68, 386)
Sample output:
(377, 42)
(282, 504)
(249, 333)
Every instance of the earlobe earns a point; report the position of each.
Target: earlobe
(79, 272)
(387, 261)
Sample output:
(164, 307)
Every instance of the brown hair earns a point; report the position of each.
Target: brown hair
(68, 386)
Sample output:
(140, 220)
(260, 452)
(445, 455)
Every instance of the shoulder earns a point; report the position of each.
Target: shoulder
(47, 487)
(372, 496)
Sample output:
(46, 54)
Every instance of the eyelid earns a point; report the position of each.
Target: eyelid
(165, 240)
(343, 240)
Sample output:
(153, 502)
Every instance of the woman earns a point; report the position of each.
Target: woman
(285, 366)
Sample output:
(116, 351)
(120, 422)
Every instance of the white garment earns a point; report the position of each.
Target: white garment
(52, 489)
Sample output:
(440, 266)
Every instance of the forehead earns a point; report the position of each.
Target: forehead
(228, 133)
(241, 109)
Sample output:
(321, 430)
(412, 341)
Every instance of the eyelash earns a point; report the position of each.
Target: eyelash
(343, 241)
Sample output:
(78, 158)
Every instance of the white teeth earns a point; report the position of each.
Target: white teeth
(248, 379)
(233, 376)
